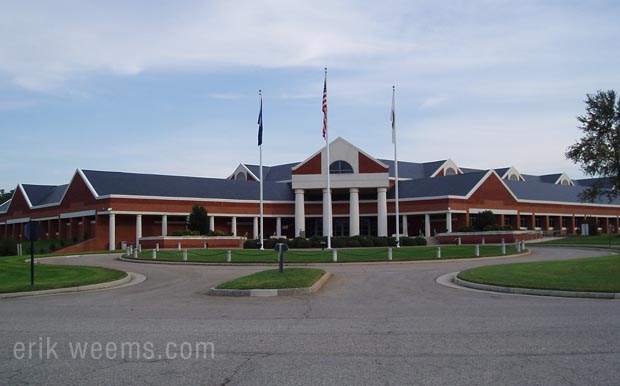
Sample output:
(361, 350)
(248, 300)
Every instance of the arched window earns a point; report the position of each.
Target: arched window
(450, 172)
(565, 182)
(513, 177)
(340, 167)
(241, 176)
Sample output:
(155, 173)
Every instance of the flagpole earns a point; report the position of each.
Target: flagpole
(329, 190)
(260, 146)
(395, 165)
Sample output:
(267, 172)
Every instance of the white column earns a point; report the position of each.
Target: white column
(234, 226)
(278, 226)
(449, 221)
(326, 200)
(382, 212)
(212, 223)
(300, 213)
(405, 226)
(164, 225)
(138, 228)
(427, 225)
(354, 212)
(255, 228)
(112, 235)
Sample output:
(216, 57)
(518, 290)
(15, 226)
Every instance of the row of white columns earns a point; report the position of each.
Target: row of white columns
(354, 218)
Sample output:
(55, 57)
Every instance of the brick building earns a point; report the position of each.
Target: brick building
(106, 208)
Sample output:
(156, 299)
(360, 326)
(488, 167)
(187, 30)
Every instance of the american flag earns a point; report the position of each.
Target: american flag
(325, 106)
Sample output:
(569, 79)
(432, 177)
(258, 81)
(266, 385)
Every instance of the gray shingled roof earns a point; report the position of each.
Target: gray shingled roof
(606, 181)
(135, 184)
(5, 206)
(470, 170)
(413, 170)
(454, 185)
(274, 173)
(541, 191)
(44, 194)
(501, 171)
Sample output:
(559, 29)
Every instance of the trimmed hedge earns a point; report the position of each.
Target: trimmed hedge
(338, 242)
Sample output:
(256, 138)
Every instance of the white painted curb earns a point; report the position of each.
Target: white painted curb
(272, 292)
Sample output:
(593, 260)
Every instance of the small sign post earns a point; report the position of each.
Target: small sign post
(32, 234)
(281, 248)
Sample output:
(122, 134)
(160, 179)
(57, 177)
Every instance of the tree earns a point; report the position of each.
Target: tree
(485, 219)
(598, 151)
(199, 220)
(5, 196)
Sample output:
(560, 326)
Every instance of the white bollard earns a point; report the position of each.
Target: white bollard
(334, 256)
(503, 247)
(523, 245)
(154, 254)
(19, 250)
(205, 245)
(128, 252)
(439, 252)
(483, 243)
(477, 250)
(140, 248)
(390, 254)
(179, 246)
(131, 249)
(228, 256)
(157, 247)
(518, 247)
(135, 253)
(458, 241)
(185, 255)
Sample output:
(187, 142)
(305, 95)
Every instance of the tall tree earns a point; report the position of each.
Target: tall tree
(598, 151)
(199, 220)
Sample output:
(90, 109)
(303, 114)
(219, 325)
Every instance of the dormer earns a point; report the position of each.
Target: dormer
(510, 173)
(448, 168)
(243, 173)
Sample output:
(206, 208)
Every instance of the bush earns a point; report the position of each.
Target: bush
(300, 242)
(216, 233)
(86, 236)
(338, 242)
(185, 233)
(379, 241)
(8, 247)
(352, 242)
(271, 243)
(365, 241)
(420, 240)
(316, 241)
(52, 247)
(593, 226)
(408, 241)
(391, 241)
(250, 244)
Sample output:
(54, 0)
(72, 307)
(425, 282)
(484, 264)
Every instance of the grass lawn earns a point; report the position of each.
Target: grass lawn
(595, 274)
(15, 275)
(317, 256)
(273, 279)
(586, 240)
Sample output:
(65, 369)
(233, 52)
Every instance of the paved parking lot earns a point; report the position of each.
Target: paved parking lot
(377, 324)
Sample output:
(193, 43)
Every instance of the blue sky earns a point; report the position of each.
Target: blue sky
(171, 87)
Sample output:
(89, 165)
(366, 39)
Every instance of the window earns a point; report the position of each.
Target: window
(340, 167)
(513, 177)
(450, 172)
(523, 222)
(240, 176)
(565, 182)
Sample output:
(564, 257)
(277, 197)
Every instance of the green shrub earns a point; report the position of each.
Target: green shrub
(216, 233)
(271, 243)
(185, 233)
(52, 247)
(316, 241)
(8, 247)
(199, 220)
(62, 243)
(420, 240)
(408, 241)
(485, 219)
(338, 242)
(352, 242)
(365, 242)
(391, 241)
(250, 244)
(379, 241)
(300, 242)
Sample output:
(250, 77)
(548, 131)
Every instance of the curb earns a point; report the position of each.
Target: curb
(233, 264)
(272, 292)
(531, 291)
(130, 279)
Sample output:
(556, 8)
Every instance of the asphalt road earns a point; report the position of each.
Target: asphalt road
(380, 324)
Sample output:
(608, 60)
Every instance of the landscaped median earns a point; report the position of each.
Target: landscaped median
(585, 277)
(15, 275)
(307, 256)
(292, 281)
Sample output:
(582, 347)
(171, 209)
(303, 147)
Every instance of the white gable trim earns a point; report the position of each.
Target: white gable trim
(447, 163)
